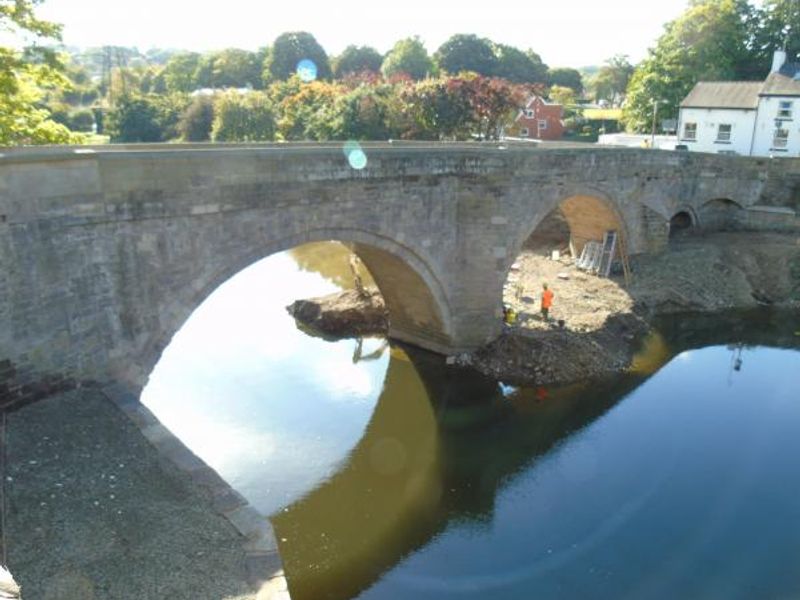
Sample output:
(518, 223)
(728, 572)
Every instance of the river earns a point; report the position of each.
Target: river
(388, 475)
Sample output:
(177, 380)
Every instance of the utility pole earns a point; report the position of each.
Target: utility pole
(653, 131)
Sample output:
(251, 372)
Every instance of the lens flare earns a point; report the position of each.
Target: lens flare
(355, 154)
(307, 70)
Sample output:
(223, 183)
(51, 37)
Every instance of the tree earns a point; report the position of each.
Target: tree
(494, 101)
(710, 41)
(304, 109)
(243, 117)
(365, 113)
(357, 59)
(198, 119)
(612, 79)
(181, 72)
(231, 68)
(288, 50)
(135, 119)
(24, 76)
(408, 57)
(466, 52)
(778, 28)
(517, 66)
(566, 77)
(439, 109)
(145, 118)
(562, 95)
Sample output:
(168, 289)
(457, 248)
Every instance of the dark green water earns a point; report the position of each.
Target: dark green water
(388, 475)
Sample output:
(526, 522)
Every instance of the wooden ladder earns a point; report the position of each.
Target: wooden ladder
(623, 257)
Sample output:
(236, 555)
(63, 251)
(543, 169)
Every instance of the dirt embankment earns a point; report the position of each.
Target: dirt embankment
(343, 314)
(595, 323)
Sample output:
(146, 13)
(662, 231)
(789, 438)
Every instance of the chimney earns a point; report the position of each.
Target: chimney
(778, 59)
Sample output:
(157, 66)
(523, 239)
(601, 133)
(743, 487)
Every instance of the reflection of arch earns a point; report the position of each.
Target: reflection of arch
(719, 214)
(418, 307)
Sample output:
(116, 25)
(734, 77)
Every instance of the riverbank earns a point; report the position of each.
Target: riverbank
(596, 324)
(95, 511)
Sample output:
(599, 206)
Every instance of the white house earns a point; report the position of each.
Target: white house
(754, 118)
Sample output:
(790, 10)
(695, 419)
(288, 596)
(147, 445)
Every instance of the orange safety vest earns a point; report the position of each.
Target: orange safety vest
(547, 298)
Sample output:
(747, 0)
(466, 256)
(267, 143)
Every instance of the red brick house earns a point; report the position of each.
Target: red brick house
(539, 120)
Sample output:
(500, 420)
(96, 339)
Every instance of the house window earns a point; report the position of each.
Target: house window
(528, 113)
(724, 132)
(690, 131)
(785, 109)
(781, 138)
(542, 124)
(523, 132)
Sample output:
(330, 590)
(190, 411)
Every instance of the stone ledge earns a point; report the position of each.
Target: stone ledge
(263, 563)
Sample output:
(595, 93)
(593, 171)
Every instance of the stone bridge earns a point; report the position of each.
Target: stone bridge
(106, 251)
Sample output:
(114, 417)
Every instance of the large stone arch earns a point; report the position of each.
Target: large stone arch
(589, 213)
(419, 308)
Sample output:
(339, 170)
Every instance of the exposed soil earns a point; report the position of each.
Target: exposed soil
(343, 314)
(595, 323)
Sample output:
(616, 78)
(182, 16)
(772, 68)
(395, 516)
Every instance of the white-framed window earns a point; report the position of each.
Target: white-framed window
(523, 132)
(724, 132)
(780, 138)
(529, 113)
(690, 131)
(785, 109)
(542, 124)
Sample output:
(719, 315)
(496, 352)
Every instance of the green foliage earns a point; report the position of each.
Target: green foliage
(357, 59)
(198, 119)
(146, 118)
(305, 109)
(231, 68)
(466, 52)
(517, 66)
(709, 42)
(563, 95)
(288, 50)
(566, 77)
(81, 120)
(181, 72)
(612, 79)
(243, 117)
(408, 57)
(778, 28)
(366, 113)
(439, 109)
(26, 78)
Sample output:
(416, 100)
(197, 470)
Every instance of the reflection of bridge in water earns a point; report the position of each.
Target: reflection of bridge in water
(443, 442)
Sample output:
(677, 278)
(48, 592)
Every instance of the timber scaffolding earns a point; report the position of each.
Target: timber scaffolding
(597, 257)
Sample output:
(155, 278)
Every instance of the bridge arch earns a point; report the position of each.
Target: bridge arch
(720, 214)
(419, 309)
(584, 214)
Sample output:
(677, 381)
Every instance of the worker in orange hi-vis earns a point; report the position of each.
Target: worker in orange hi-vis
(547, 301)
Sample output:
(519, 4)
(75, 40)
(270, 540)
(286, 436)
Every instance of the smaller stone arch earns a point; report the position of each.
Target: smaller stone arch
(720, 214)
(682, 220)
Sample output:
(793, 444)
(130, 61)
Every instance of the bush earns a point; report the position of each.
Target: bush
(81, 120)
(197, 120)
(243, 117)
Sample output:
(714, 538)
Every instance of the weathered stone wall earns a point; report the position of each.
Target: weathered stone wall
(104, 255)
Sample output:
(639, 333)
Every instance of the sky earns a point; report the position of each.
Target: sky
(569, 33)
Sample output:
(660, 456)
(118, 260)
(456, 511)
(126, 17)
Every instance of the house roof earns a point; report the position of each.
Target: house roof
(724, 94)
(781, 83)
